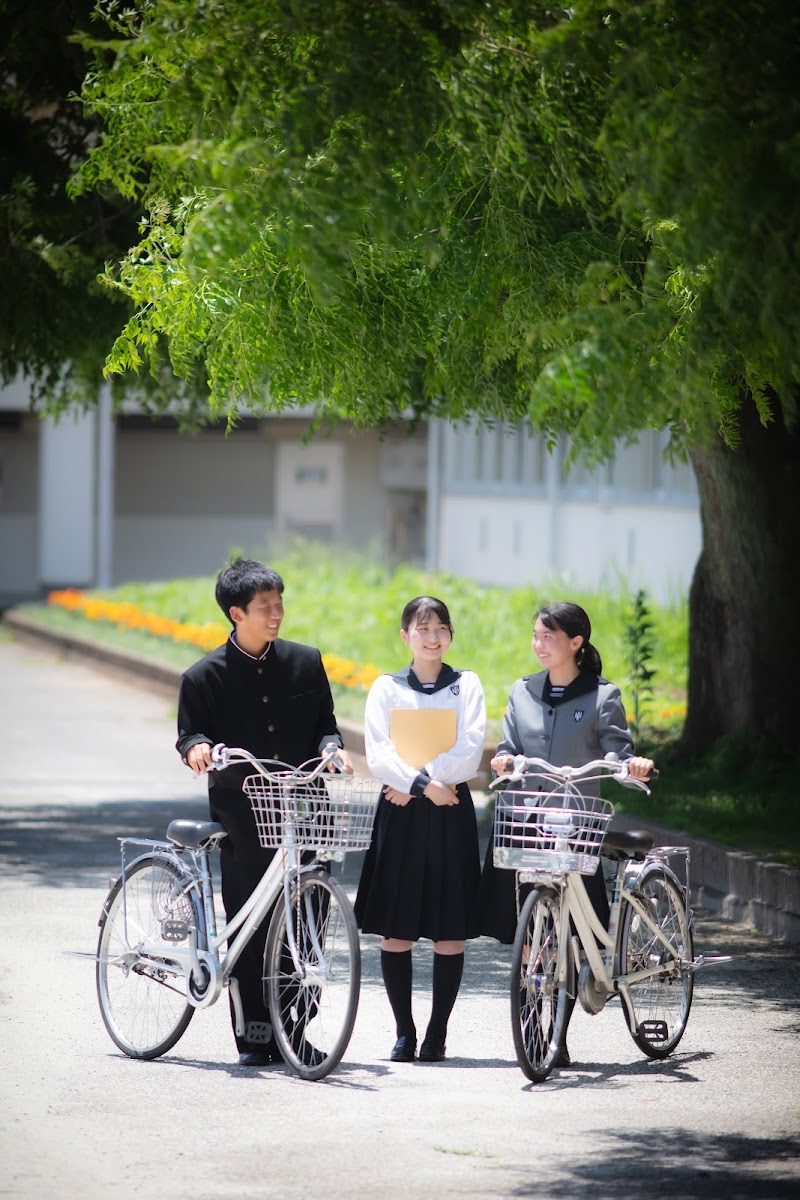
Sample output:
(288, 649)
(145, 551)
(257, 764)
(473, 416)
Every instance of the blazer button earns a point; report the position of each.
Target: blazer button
(261, 670)
(271, 728)
(547, 737)
(264, 699)
(549, 712)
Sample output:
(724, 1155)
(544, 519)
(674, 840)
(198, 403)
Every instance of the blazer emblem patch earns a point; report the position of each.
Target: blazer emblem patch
(578, 714)
(455, 688)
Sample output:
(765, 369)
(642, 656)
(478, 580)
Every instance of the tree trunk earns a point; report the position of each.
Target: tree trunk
(743, 604)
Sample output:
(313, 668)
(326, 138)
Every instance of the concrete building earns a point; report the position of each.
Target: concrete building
(506, 510)
(96, 499)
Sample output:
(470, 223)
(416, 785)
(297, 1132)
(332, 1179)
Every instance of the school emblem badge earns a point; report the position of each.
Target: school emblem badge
(455, 688)
(578, 714)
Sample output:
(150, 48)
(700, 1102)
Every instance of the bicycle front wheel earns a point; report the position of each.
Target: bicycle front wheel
(313, 1003)
(142, 1001)
(538, 1004)
(661, 1002)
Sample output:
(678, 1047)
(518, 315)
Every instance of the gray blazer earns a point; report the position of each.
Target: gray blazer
(587, 722)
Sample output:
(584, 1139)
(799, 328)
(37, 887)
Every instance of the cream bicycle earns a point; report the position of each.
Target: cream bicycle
(160, 956)
(561, 949)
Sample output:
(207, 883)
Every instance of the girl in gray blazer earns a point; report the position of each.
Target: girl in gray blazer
(567, 714)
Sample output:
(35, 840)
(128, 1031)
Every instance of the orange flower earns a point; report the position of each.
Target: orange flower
(207, 637)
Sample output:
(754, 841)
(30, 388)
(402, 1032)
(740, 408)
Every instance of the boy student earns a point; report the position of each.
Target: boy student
(271, 697)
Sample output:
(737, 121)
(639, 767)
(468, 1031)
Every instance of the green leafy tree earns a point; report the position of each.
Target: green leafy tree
(57, 322)
(586, 218)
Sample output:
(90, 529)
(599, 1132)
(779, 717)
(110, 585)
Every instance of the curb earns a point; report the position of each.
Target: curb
(737, 886)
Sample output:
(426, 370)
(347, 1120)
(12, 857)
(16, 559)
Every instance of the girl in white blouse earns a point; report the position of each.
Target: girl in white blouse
(421, 872)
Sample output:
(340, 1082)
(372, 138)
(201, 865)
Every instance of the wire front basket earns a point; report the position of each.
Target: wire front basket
(332, 813)
(549, 831)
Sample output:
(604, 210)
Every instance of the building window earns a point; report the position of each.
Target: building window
(511, 460)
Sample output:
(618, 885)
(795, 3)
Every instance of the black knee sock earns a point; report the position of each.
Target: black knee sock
(396, 968)
(569, 1010)
(447, 972)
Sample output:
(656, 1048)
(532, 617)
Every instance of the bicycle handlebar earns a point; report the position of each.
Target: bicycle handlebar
(598, 767)
(226, 756)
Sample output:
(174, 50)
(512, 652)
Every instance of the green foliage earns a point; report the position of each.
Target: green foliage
(57, 322)
(585, 216)
(640, 646)
(740, 793)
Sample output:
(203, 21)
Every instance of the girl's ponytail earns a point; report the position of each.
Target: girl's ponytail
(588, 659)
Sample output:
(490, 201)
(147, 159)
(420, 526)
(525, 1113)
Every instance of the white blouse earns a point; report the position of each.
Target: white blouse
(462, 691)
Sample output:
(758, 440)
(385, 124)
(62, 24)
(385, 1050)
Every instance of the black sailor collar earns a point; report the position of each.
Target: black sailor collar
(407, 678)
(539, 686)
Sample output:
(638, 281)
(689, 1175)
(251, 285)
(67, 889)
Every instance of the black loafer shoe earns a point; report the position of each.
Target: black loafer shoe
(431, 1051)
(404, 1049)
(563, 1059)
(254, 1058)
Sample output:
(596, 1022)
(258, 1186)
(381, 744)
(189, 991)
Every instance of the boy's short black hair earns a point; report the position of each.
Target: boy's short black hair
(243, 579)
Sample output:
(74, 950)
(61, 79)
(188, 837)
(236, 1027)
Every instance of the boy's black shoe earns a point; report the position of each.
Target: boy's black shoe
(254, 1058)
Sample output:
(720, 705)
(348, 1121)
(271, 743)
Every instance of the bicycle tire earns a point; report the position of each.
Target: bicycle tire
(538, 1004)
(661, 1004)
(313, 1010)
(144, 1008)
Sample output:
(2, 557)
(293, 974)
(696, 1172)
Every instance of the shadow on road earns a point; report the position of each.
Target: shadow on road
(676, 1163)
(67, 845)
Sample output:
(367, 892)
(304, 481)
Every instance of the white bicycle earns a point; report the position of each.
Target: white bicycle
(561, 949)
(160, 956)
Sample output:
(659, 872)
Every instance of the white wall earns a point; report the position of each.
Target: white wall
(506, 541)
(152, 547)
(67, 500)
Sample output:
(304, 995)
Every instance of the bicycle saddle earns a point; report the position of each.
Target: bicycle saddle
(184, 832)
(627, 843)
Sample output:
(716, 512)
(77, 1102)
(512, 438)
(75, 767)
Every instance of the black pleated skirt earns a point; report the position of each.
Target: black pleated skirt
(421, 872)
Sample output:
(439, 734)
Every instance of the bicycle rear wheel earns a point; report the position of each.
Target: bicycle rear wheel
(538, 1004)
(313, 1008)
(143, 1003)
(661, 1003)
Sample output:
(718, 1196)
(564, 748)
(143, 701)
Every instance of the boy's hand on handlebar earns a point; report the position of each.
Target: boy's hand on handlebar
(502, 764)
(339, 761)
(335, 758)
(640, 768)
(198, 757)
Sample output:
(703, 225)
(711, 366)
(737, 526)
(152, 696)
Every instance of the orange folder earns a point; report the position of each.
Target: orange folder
(420, 735)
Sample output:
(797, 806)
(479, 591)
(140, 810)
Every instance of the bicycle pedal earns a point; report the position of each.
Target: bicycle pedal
(174, 931)
(258, 1033)
(654, 1031)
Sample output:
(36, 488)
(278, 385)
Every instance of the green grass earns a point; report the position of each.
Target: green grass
(350, 605)
(740, 793)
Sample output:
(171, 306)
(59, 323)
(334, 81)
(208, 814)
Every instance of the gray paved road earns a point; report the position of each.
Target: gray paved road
(85, 758)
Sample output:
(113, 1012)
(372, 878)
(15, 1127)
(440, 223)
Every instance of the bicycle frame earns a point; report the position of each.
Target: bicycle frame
(205, 973)
(576, 907)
